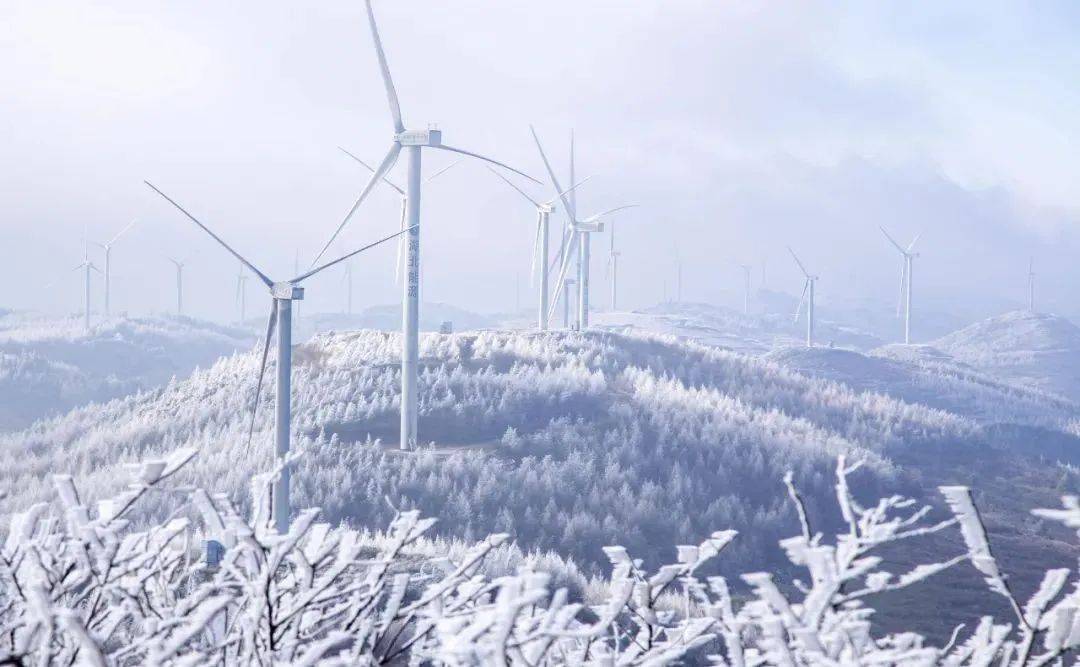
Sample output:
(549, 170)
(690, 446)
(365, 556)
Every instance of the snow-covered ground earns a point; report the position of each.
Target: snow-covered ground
(49, 365)
(1036, 349)
(729, 329)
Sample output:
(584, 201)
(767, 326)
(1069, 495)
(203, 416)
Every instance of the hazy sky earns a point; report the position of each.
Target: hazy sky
(738, 126)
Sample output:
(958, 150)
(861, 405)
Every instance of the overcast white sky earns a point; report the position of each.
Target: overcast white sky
(738, 126)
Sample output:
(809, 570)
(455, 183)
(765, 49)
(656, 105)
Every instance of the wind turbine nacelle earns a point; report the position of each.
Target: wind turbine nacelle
(589, 227)
(420, 138)
(287, 291)
(547, 208)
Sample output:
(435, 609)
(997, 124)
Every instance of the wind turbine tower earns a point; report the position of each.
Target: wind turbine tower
(241, 295)
(413, 141)
(746, 293)
(87, 267)
(179, 264)
(908, 256)
(107, 247)
(807, 298)
(613, 268)
(283, 294)
(1031, 284)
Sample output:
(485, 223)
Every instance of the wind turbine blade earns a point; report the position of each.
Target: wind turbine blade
(911, 246)
(596, 217)
(561, 282)
(802, 299)
(372, 170)
(570, 189)
(214, 236)
(511, 184)
(376, 176)
(262, 366)
(354, 253)
(567, 209)
(892, 240)
(119, 234)
(442, 171)
(486, 159)
(801, 267)
(388, 81)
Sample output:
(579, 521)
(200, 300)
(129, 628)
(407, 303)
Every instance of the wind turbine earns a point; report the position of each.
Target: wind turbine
(540, 245)
(613, 268)
(88, 266)
(1031, 284)
(179, 284)
(807, 298)
(107, 247)
(905, 280)
(575, 238)
(414, 141)
(241, 294)
(283, 294)
(746, 295)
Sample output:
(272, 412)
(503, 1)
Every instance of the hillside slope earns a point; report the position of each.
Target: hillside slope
(1036, 349)
(570, 441)
(50, 365)
(722, 327)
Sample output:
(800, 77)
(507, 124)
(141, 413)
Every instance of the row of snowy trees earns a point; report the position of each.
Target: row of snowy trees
(84, 584)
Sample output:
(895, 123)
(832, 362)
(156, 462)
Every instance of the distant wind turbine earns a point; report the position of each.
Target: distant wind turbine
(807, 298)
(87, 266)
(541, 243)
(241, 294)
(107, 247)
(347, 279)
(414, 141)
(613, 267)
(283, 294)
(575, 242)
(904, 302)
(746, 293)
(179, 264)
(1031, 284)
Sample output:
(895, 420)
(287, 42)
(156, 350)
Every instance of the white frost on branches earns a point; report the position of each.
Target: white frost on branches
(88, 585)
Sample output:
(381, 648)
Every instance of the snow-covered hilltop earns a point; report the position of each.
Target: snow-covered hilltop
(753, 333)
(569, 441)
(50, 365)
(1036, 349)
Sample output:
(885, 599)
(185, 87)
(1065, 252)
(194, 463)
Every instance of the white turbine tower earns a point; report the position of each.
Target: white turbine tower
(746, 287)
(241, 295)
(179, 264)
(807, 298)
(908, 259)
(414, 141)
(1031, 284)
(613, 267)
(87, 266)
(283, 294)
(107, 247)
(575, 242)
(540, 244)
